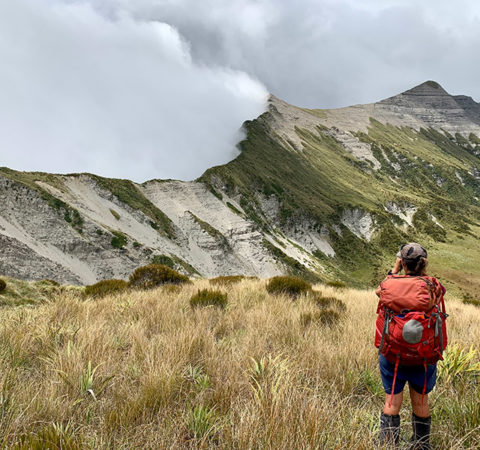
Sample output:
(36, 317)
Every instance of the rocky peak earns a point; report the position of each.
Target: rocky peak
(429, 95)
(429, 88)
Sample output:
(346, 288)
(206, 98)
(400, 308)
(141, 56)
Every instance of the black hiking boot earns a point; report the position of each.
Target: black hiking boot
(389, 430)
(421, 433)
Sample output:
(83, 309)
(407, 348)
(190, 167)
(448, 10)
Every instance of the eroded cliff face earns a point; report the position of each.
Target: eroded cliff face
(38, 242)
(311, 190)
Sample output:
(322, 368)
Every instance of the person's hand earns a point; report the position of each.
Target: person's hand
(397, 268)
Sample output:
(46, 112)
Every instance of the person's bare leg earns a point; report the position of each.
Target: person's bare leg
(419, 409)
(390, 420)
(394, 409)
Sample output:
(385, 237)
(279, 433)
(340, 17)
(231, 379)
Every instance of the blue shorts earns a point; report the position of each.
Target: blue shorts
(415, 375)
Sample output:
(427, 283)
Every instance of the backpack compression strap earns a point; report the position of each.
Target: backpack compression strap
(394, 379)
(386, 322)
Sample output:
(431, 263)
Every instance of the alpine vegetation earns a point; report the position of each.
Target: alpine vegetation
(143, 367)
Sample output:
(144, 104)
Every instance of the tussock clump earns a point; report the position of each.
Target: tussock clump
(328, 302)
(227, 280)
(467, 300)
(3, 285)
(472, 301)
(288, 285)
(209, 297)
(336, 284)
(324, 317)
(49, 287)
(202, 423)
(172, 289)
(163, 260)
(105, 287)
(51, 282)
(153, 275)
(55, 435)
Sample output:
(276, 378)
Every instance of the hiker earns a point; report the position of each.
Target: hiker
(411, 337)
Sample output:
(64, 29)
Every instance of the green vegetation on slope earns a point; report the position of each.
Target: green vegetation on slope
(211, 230)
(127, 192)
(320, 181)
(427, 169)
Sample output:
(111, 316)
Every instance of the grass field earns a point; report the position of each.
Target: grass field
(143, 369)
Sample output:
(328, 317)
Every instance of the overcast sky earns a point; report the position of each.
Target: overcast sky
(145, 89)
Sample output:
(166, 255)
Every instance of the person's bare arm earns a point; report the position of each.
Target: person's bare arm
(397, 267)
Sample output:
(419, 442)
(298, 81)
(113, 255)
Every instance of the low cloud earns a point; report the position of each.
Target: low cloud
(119, 96)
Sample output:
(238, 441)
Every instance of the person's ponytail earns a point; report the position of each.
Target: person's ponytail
(421, 266)
(416, 266)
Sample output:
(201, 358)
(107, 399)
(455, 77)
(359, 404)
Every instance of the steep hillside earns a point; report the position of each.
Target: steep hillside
(326, 194)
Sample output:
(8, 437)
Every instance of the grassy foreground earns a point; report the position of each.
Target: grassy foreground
(144, 369)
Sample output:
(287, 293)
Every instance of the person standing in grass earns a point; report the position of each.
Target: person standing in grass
(411, 337)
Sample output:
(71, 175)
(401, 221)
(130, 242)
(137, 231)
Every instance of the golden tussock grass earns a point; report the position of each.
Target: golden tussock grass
(143, 369)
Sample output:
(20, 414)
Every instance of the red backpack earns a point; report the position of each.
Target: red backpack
(411, 327)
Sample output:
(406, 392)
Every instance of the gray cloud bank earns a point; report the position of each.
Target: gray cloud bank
(118, 97)
(159, 88)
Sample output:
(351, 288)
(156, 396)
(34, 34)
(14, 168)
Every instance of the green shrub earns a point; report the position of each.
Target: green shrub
(3, 285)
(227, 280)
(288, 285)
(235, 210)
(164, 260)
(336, 284)
(474, 138)
(209, 297)
(153, 275)
(105, 287)
(324, 317)
(119, 240)
(328, 302)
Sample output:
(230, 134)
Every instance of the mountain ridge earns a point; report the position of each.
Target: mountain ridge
(311, 193)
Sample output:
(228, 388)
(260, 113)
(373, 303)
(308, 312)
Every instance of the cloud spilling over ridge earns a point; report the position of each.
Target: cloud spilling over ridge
(83, 89)
(329, 53)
